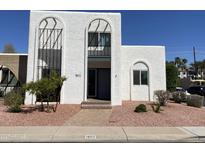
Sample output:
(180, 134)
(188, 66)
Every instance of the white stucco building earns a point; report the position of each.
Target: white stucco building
(86, 48)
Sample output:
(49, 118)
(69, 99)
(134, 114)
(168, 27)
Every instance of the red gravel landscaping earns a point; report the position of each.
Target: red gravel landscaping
(172, 115)
(37, 118)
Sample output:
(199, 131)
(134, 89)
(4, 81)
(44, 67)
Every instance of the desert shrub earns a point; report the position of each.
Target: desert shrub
(183, 96)
(195, 101)
(46, 88)
(13, 101)
(161, 96)
(179, 97)
(141, 108)
(156, 107)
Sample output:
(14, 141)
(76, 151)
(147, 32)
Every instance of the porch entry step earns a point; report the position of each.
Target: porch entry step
(96, 105)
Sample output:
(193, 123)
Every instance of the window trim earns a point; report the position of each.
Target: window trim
(140, 77)
(99, 37)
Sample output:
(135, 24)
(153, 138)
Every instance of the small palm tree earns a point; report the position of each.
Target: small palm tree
(183, 63)
(46, 89)
(177, 62)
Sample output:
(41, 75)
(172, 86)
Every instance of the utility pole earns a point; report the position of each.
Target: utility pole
(194, 56)
(194, 53)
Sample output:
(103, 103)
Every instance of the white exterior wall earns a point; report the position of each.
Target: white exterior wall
(74, 57)
(0, 75)
(154, 58)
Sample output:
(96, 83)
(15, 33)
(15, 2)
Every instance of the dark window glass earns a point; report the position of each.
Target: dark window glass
(105, 39)
(92, 39)
(144, 77)
(91, 83)
(5, 75)
(47, 72)
(12, 80)
(136, 77)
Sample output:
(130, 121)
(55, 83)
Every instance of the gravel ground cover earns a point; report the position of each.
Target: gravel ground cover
(34, 117)
(172, 115)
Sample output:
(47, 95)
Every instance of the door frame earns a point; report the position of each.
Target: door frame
(92, 96)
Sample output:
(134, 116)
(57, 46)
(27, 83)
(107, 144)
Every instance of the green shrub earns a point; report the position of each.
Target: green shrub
(171, 76)
(156, 107)
(141, 108)
(179, 97)
(46, 88)
(13, 101)
(195, 101)
(161, 96)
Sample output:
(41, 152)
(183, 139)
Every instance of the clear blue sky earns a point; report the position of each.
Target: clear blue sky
(179, 31)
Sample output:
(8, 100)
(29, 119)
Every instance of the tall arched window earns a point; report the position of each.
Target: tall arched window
(49, 47)
(99, 38)
(140, 74)
(99, 60)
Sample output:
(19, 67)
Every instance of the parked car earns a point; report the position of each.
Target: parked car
(199, 90)
(180, 89)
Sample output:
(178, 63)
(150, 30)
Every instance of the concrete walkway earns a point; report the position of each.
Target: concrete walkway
(87, 117)
(101, 134)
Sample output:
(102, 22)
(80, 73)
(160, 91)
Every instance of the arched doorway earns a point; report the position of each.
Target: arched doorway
(99, 60)
(140, 90)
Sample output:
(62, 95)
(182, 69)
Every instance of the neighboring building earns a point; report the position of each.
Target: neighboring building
(190, 73)
(183, 73)
(86, 48)
(13, 70)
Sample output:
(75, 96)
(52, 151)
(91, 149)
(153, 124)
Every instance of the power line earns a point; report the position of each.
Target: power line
(198, 51)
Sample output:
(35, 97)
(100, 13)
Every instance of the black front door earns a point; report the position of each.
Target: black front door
(104, 87)
(92, 83)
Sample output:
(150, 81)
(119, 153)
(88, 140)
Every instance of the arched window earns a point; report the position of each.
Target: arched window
(49, 47)
(140, 74)
(99, 38)
(8, 80)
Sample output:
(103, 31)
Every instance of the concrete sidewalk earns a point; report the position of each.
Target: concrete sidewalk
(94, 117)
(101, 134)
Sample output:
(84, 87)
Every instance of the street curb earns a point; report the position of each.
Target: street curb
(100, 134)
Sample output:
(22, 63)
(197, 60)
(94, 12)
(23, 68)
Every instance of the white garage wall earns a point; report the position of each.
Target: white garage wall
(154, 58)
